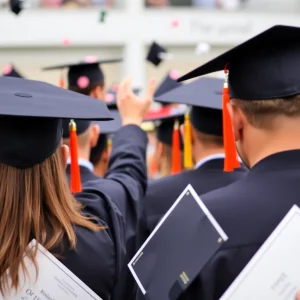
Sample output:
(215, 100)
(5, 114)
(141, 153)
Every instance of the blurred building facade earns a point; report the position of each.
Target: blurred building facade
(49, 32)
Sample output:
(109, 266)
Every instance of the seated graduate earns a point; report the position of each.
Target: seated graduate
(11, 71)
(203, 147)
(262, 109)
(88, 234)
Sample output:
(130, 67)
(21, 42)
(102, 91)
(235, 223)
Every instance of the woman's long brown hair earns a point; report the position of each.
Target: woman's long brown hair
(35, 203)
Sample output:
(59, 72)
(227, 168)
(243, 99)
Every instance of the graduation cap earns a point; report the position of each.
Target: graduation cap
(107, 129)
(206, 113)
(10, 70)
(84, 73)
(168, 83)
(167, 131)
(31, 113)
(264, 67)
(16, 6)
(156, 54)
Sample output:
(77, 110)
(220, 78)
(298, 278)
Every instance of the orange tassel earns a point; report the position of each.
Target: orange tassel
(75, 170)
(176, 158)
(231, 162)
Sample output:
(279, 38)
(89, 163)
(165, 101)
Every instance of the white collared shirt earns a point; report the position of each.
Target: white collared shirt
(83, 163)
(209, 158)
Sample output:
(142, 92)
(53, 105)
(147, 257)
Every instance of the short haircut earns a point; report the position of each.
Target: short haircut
(209, 139)
(261, 113)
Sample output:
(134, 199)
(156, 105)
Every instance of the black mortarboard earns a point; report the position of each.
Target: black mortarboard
(204, 96)
(10, 71)
(264, 67)
(30, 121)
(166, 117)
(154, 54)
(84, 73)
(168, 83)
(16, 6)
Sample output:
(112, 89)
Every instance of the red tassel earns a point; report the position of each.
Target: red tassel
(176, 155)
(231, 162)
(75, 170)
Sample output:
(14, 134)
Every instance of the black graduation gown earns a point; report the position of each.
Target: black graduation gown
(248, 211)
(162, 193)
(100, 257)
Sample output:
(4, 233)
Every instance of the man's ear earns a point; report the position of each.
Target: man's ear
(94, 135)
(64, 155)
(237, 119)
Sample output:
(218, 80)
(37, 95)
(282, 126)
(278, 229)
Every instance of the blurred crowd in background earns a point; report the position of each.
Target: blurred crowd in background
(205, 4)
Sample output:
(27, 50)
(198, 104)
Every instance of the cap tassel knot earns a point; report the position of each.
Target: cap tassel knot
(187, 153)
(231, 162)
(176, 158)
(75, 171)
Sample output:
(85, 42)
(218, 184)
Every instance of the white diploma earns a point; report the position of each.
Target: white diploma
(54, 281)
(274, 271)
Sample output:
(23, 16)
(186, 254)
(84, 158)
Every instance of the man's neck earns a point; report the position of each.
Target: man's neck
(84, 154)
(272, 148)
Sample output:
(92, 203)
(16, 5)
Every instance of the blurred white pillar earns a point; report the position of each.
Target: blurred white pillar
(134, 49)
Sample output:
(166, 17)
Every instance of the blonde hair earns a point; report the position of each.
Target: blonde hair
(261, 113)
(35, 203)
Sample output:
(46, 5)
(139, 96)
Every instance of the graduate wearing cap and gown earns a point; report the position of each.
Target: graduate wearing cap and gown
(205, 159)
(263, 116)
(31, 114)
(87, 78)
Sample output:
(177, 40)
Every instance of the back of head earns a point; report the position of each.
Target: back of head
(35, 200)
(35, 203)
(207, 124)
(262, 81)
